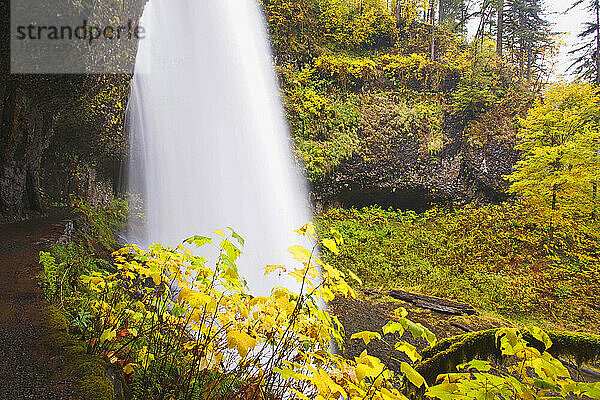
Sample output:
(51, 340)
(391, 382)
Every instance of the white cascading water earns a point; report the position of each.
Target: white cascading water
(210, 145)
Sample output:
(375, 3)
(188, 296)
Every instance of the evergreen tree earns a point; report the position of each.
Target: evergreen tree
(587, 61)
(500, 28)
(526, 36)
(452, 12)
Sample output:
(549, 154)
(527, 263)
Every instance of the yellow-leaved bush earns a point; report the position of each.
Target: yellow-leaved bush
(181, 328)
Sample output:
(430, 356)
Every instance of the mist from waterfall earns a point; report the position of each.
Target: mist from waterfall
(210, 147)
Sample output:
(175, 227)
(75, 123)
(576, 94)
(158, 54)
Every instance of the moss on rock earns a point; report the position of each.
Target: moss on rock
(448, 353)
(89, 374)
(53, 318)
(87, 371)
(75, 350)
(85, 365)
(59, 339)
(94, 388)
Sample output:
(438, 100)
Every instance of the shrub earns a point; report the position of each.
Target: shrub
(102, 221)
(418, 72)
(325, 129)
(181, 329)
(345, 72)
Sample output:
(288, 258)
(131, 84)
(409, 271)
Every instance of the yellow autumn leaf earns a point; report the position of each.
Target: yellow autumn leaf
(400, 312)
(307, 230)
(210, 361)
(409, 350)
(366, 336)
(393, 327)
(331, 246)
(368, 366)
(327, 294)
(413, 376)
(219, 232)
(285, 372)
(299, 253)
(157, 278)
(271, 268)
(241, 341)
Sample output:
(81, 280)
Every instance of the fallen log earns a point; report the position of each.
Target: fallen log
(433, 303)
(587, 372)
(462, 327)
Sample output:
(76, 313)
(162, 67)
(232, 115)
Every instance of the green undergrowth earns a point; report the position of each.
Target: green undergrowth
(101, 222)
(500, 259)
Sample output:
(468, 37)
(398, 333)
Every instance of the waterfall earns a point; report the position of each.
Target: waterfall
(210, 146)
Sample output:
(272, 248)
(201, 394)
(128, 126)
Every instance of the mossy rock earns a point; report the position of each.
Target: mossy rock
(54, 319)
(60, 339)
(74, 350)
(88, 368)
(87, 371)
(85, 362)
(444, 356)
(94, 388)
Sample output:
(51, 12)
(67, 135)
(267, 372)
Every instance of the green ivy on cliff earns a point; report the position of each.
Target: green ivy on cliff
(336, 59)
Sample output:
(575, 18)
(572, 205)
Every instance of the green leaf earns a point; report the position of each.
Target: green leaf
(198, 240)
(544, 385)
(108, 334)
(236, 236)
(232, 251)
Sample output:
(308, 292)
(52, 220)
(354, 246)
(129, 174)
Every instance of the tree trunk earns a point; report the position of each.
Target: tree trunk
(432, 22)
(398, 13)
(597, 6)
(500, 27)
(597, 42)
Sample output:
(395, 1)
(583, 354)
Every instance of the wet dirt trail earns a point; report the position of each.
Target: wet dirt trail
(29, 369)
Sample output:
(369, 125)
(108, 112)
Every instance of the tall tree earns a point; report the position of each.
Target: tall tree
(398, 14)
(451, 12)
(587, 61)
(559, 141)
(432, 23)
(500, 28)
(526, 36)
